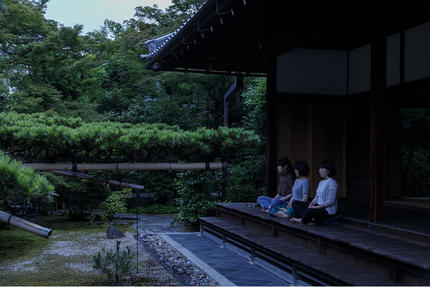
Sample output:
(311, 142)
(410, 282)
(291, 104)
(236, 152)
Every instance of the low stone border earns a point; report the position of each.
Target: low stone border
(182, 269)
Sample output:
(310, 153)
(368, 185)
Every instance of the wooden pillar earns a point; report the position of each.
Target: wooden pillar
(378, 104)
(271, 151)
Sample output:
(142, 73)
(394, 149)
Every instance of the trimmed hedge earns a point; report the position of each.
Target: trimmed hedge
(38, 137)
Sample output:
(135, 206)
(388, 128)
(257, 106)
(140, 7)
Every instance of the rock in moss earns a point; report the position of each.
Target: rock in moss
(113, 232)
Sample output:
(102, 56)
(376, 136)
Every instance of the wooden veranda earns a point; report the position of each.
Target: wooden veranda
(346, 254)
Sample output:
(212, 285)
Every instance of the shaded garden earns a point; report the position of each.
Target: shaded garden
(70, 97)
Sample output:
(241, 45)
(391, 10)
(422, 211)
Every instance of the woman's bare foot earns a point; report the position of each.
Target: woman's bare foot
(281, 214)
(296, 220)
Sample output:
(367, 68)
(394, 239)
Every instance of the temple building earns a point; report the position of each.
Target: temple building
(339, 74)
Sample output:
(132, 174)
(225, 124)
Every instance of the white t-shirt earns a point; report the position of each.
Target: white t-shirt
(327, 195)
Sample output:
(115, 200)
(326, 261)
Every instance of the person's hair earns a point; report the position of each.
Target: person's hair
(302, 167)
(285, 162)
(329, 165)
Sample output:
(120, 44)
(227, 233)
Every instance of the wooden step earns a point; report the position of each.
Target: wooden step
(394, 257)
(326, 269)
(388, 230)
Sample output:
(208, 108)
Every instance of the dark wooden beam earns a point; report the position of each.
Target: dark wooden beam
(100, 180)
(378, 105)
(125, 166)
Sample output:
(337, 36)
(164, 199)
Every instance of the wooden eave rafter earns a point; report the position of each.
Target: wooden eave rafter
(259, 29)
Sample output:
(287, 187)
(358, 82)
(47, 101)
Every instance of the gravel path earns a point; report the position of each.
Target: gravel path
(182, 269)
(68, 260)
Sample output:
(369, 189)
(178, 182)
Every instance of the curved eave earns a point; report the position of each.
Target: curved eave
(177, 36)
(196, 46)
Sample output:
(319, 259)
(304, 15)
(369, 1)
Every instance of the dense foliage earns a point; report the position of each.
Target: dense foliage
(26, 137)
(66, 96)
(79, 197)
(44, 138)
(47, 67)
(23, 186)
(254, 105)
(116, 202)
(415, 149)
(194, 196)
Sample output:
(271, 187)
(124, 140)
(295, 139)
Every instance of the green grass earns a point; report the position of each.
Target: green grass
(63, 222)
(26, 250)
(20, 246)
(15, 242)
(36, 265)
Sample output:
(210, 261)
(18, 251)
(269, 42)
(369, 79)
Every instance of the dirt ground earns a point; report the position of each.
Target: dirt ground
(67, 259)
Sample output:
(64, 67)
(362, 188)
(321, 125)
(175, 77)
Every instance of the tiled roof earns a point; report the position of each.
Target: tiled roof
(156, 45)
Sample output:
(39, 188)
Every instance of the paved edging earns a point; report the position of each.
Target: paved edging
(205, 267)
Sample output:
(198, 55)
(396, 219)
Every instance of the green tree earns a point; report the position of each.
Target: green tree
(22, 186)
(255, 106)
(46, 63)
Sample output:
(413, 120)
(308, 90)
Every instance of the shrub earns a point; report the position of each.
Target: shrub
(115, 263)
(116, 202)
(160, 183)
(80, 196)
(194, 196)
(245, 181)
(37, 137)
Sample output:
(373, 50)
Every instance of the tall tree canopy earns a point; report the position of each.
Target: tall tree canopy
(50, 68)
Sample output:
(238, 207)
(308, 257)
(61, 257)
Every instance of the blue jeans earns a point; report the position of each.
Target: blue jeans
(266, 201)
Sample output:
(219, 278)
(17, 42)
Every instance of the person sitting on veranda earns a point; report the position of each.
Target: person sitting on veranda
(286, 180)
(300, 193)
(324, 205)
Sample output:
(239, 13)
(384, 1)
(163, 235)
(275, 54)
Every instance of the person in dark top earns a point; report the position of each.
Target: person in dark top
(286, 180)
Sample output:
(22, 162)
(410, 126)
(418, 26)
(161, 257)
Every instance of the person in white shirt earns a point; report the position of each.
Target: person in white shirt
(324, 204)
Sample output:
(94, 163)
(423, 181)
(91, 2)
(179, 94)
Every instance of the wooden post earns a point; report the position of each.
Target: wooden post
(378, 103)
(137, 231)
(224, 181)
(271, 138)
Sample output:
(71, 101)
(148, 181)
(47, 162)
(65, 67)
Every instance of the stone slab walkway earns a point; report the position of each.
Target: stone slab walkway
(222, 263)
(226, 266)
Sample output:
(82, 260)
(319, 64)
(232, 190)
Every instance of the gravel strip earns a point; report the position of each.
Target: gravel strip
(182, 269)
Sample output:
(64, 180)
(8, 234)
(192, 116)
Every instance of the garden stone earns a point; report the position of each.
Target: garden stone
(113, 232)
